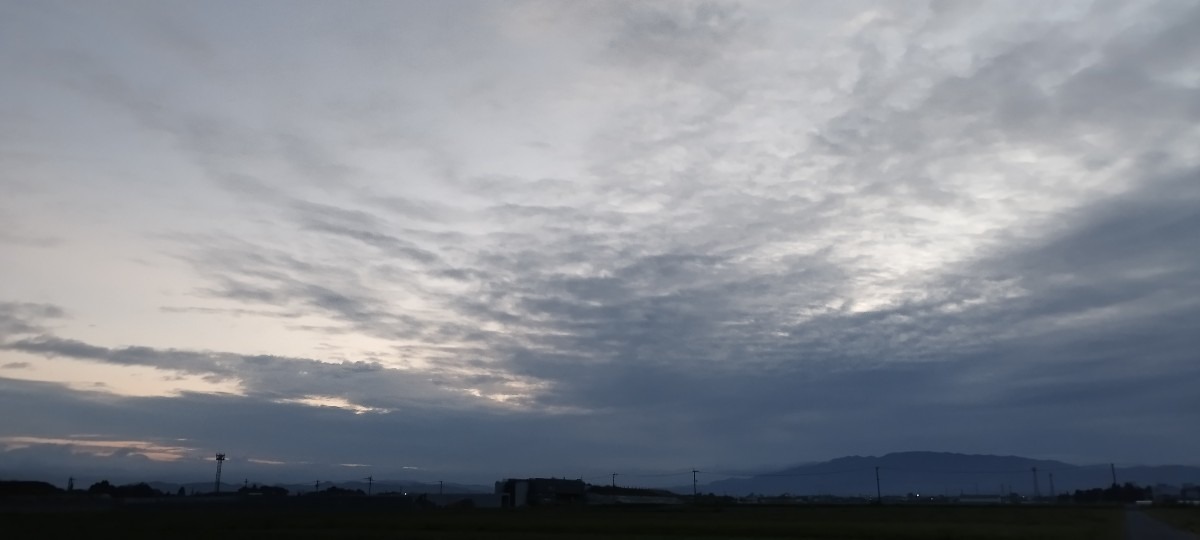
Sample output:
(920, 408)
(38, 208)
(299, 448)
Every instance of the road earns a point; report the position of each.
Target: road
(1139, 526)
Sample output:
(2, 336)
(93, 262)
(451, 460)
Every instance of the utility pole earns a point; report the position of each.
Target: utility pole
(878, 491)
(614, 480)
(71, 483)
(370, 483)
(316, 486)
(1113, 467)
(440, 486)
(695, 493)
(1037, 492)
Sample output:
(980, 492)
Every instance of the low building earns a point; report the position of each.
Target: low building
(518, 492)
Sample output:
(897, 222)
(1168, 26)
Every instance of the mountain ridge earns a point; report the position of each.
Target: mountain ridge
(946, 473)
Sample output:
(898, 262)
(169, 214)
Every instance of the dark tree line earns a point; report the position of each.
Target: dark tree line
(127, 491)
(334, 491)
(1126, 493)
(104, 488)
(269, 491)
(27, 488)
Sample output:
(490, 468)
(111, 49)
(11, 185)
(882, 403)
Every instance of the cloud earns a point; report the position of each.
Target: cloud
(11, 233)
(662, 232)
(17, 318)
(358, 226)
(681, 35)
(354, 385)
(91, 445)
(436, 441)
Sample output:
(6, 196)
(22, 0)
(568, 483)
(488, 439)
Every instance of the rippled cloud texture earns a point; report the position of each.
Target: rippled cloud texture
(565, 238)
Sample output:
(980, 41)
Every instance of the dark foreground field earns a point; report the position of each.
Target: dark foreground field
(1184, 518)
(925, 522)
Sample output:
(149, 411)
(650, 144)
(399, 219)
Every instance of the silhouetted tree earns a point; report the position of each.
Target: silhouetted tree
(138, 490)
(101, 488)
(130, 491)
(1126, 493)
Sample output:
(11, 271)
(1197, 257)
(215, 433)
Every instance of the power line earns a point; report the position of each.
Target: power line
(878, 469)
(657, 475)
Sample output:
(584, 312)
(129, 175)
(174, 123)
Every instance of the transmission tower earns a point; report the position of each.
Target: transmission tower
(220, 461)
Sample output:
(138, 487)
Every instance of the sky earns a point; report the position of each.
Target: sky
(471, 240)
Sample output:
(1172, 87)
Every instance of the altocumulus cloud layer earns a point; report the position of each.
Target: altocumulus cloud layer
(642, 235)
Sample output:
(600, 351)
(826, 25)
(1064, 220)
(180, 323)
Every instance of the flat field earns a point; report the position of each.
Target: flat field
(809, 522)
(1186, 518)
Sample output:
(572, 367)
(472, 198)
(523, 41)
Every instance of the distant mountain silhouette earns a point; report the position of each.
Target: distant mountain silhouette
(944, 473)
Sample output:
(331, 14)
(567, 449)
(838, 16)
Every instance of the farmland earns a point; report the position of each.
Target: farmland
(1185, 518)
(812, 522)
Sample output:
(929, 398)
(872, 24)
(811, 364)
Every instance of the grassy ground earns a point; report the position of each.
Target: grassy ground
(828, 523)
(1185, 518)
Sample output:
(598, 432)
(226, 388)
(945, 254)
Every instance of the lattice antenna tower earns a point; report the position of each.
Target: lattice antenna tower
(220, 461)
